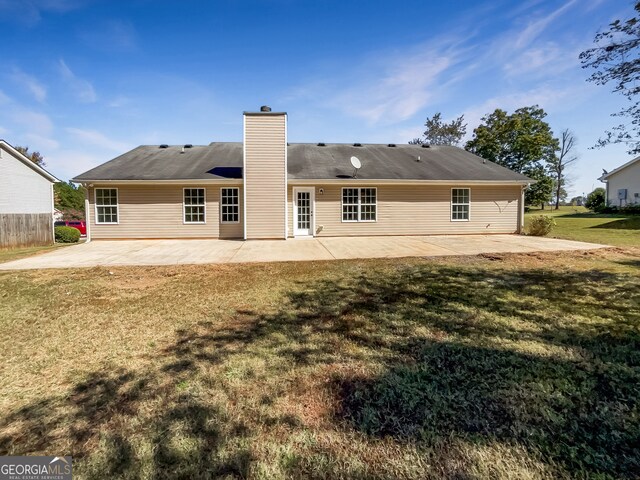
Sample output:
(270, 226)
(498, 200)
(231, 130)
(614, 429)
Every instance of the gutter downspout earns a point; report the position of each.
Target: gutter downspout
(53, 210)
(87, 213)
(520, 230)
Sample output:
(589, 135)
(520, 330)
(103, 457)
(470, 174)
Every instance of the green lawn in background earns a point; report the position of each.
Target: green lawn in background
(577, 223)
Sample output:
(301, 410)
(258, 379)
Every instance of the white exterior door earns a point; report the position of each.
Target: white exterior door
(303, 206)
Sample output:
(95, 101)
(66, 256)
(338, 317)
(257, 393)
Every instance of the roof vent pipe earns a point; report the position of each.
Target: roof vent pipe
(265, 108)
(182, 151)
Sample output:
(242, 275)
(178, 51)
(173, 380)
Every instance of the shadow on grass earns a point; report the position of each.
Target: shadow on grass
(449, 340)
(106, 408)
(630, 223)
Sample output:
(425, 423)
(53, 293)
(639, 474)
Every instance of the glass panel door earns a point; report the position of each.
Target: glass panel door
(303, 209)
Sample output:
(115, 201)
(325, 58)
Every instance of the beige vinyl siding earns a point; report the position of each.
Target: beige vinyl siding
(22, 189)
(265, 175)
(417, 210)
(155, 211)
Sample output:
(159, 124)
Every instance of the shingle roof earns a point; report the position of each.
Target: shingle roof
(306, 161)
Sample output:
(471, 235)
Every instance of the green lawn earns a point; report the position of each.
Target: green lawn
(577, 223)
(504, 366)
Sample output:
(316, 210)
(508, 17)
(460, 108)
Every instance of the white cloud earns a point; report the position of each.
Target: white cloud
(119, 101)
(4, 99)
(35, 129)
(82, 88)
(547, 59)
(397, 87)
(97, 139)
(111, 35)
(30, 83)
(66, 164)
(36, 122)
(534, 29)
(400, 84)
(41, 143)
(30, 12)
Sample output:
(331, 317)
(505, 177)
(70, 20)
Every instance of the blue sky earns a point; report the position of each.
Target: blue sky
(83, 81)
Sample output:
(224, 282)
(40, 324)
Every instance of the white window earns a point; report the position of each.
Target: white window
(230, 205)
(106, 200)
(359, 204)
(460, 204)
(194, 205)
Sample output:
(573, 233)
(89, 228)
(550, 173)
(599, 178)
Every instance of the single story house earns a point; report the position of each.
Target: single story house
(26, 200)
(267, 188)
(623, 184)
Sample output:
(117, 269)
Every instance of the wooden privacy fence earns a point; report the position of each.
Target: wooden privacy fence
(25, 229)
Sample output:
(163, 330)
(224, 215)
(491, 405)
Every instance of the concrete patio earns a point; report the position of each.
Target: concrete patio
(183, 252)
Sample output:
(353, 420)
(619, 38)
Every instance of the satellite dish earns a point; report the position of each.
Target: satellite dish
(355, 163)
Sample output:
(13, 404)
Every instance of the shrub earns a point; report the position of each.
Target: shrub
(596, 200)
(541, 225)
(631, 208)
(67, 234)
(628, 209)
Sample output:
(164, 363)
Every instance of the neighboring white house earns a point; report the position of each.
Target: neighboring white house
(26, 200)
(623, 184)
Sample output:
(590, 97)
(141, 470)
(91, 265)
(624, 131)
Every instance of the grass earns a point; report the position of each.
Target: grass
(577, 223)
(502, 366)
(9, 254)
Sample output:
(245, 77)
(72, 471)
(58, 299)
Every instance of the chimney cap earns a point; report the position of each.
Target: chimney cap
(265, 108)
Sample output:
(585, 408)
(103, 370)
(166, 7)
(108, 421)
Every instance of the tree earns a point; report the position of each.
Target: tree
(35, 157)
(67, 195)
(520, 141)
(577, 201)
(562, 194)
(539, 192)
(596, 200)
(440, 133)
(559, 163)
(616, 59)
(69, 199)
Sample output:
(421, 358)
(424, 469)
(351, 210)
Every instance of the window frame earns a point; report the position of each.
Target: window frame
(204, 205)
(468, 204)
(226, 222)
(96, 206)
(359, 205)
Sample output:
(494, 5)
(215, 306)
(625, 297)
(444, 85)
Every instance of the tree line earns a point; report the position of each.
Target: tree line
(521, 141)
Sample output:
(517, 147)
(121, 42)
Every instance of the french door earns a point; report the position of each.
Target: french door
(303, 204)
